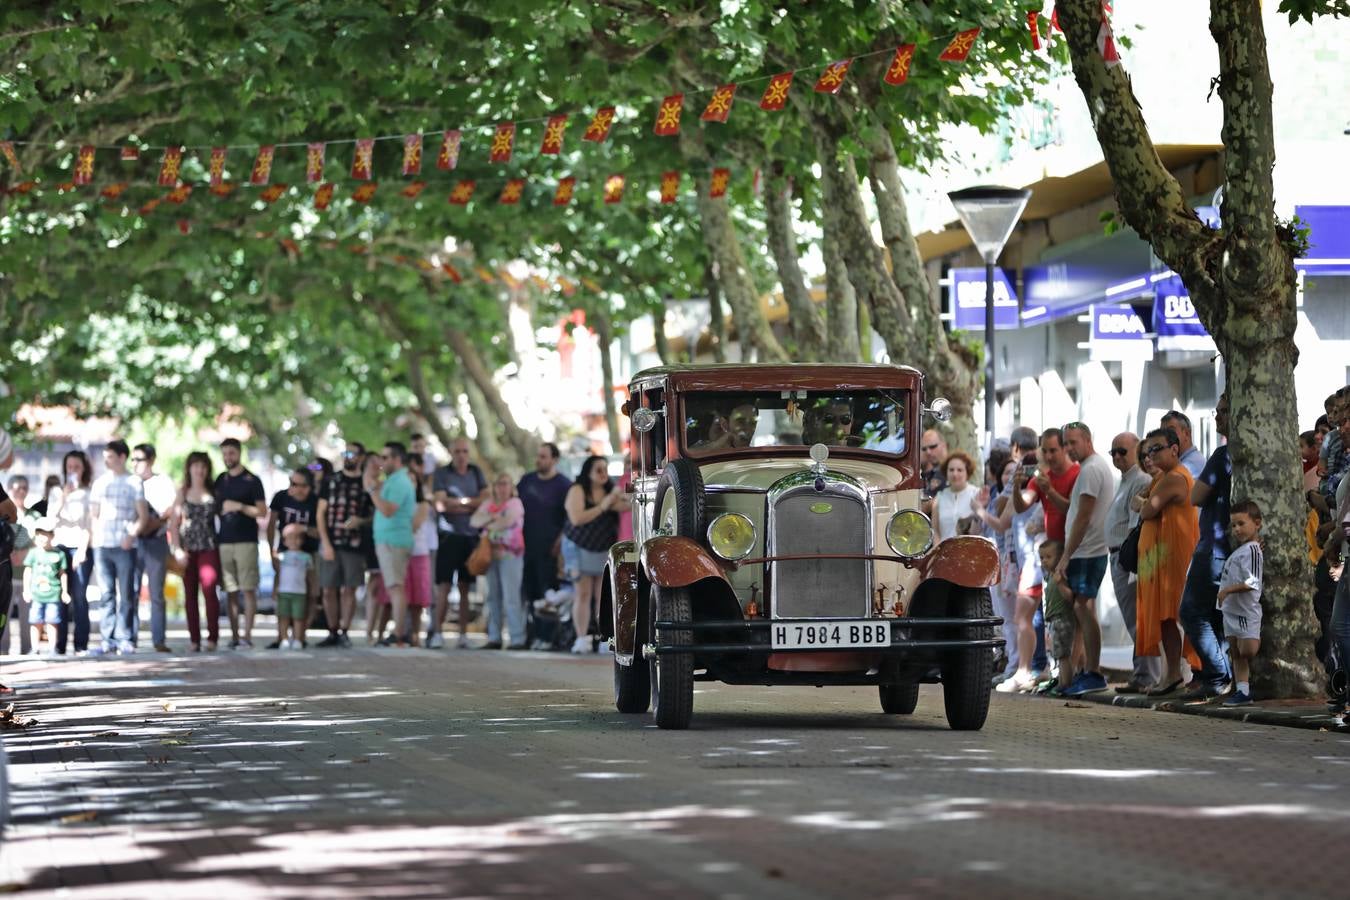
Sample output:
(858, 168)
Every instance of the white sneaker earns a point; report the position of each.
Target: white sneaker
(126, 648)
(463, 642)
(581, 645)
(436, 641)
(1018, 684)
(290, 644)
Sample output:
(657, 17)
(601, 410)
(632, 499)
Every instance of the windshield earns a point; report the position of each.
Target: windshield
(718, 421)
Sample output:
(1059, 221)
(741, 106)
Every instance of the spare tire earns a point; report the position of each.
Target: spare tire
(679, 501)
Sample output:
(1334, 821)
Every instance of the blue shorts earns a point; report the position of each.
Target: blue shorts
(45, 614)
(1085, 575)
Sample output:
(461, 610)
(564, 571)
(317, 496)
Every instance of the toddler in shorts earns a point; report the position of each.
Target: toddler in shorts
(1239, 597)
(292, 587)
(1060, 622)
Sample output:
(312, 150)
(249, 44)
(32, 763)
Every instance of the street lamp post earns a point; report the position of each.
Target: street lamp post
(989, 215)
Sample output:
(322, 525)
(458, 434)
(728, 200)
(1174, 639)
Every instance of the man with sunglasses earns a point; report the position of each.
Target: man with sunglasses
(1083, 563)
(1120, 520)
(933, 453)
(829, 422)
(344, 507)
(1191, 457)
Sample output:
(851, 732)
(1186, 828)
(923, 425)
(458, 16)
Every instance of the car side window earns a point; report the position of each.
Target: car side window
(656, 438)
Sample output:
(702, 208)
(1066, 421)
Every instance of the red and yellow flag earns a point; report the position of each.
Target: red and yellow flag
(451, 272)
(511, 191)
(775, 95)
(719, 105)
(960, 46)
(113, 191)
(1032, 26)
(485, 276)
(598, 130)
(314, 162)
(668, 116)
(462, 192)
(185, 226)
(366, 192)
(502, 140)
(215, 165)
(84, 165)
(262, 166)
(614, 188)
(7, 149)
(24, 187)
(169, 166)
(670, 186)
(563, 195)
(898, 70)
(720, 179)
(412, 154)
(568, 286)
(224, 189)
(272, 193)
(510, 280)
(362, 158)
(130, 152)
(832, 79)
(541, 283)
(448, 158)
(413, 189)
(65, 187)
(553, 136)
(149, 206)
(180, 194)
(323, 195)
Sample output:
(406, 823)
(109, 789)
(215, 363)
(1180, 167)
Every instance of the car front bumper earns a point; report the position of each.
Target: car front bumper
(908, 635)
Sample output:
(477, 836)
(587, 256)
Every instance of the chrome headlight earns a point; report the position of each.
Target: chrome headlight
(910, 533)
(731, 536)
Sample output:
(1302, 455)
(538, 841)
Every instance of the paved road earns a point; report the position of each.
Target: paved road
(470, 773)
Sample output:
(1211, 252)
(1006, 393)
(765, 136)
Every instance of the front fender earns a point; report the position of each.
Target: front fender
(967, 561)
(678, 562)
(622, 584)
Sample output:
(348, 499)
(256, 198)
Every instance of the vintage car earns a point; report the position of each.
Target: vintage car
(779, 538)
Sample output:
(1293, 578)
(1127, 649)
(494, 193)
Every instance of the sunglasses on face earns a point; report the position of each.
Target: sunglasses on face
(1156, 449)
(1119, 451)
(350, 454)
(299, 484)
(842, 419)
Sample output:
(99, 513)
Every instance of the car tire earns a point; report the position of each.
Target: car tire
(899, 699)
(671, 674)
(682, 477)
(632, 686)
(967, 674)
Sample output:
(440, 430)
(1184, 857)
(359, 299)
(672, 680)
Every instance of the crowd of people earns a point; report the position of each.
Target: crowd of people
(390, 526)
(1184, 556)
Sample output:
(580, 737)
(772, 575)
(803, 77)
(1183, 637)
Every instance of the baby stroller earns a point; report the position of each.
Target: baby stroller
(551, 625)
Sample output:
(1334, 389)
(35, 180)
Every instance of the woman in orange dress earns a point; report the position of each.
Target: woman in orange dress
(1170, 531)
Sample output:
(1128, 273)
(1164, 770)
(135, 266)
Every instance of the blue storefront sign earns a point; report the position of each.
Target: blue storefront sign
(1118, 333)
(967, 300)
(1175, 320)
(1329, 237)
(1073, 280)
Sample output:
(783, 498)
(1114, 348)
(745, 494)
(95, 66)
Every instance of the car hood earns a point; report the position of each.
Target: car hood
(760, 473)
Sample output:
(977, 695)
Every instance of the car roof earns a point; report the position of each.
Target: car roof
(776, 376)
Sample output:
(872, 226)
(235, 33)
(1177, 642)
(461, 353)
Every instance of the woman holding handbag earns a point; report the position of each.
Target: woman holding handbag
(502, 520)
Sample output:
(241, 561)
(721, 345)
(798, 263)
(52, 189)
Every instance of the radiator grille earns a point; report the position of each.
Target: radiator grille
(820, 587)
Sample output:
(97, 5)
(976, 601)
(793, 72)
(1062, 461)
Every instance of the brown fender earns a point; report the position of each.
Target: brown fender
(967, 561)
(622, 570)
(678, 562)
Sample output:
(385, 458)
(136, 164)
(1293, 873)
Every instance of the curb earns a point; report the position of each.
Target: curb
(1311, 716)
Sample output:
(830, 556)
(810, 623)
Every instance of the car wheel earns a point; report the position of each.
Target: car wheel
(632, 686)
(679, 500)
(899, 699)
(966, 674)
(671, 674)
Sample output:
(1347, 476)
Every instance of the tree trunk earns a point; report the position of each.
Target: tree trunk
(417, 383)
(521, 442)
(728, 263)
(806, 327)
(659, 339)
(1241, 279)
(490, 449)
(604, 338)
(841, 303)
(717, 320)
(846, 215)
(954, 367)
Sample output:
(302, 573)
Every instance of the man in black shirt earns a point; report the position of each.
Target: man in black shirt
(240, 503)
(345, 509)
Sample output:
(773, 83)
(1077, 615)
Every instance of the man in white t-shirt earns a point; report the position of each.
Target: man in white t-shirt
(152, 545)
(119, 513)
(1083, 563)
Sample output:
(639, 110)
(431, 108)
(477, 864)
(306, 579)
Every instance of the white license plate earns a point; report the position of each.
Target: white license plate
(829, 635)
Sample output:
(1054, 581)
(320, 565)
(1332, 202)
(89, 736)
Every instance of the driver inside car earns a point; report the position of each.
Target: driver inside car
(829, 421)
(734, 430)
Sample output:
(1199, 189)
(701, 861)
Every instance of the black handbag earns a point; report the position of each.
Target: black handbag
(1128, 554)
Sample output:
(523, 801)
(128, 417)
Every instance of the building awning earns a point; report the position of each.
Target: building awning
(1055, 194)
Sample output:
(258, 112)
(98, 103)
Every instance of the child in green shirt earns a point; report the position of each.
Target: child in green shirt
(44, 582)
